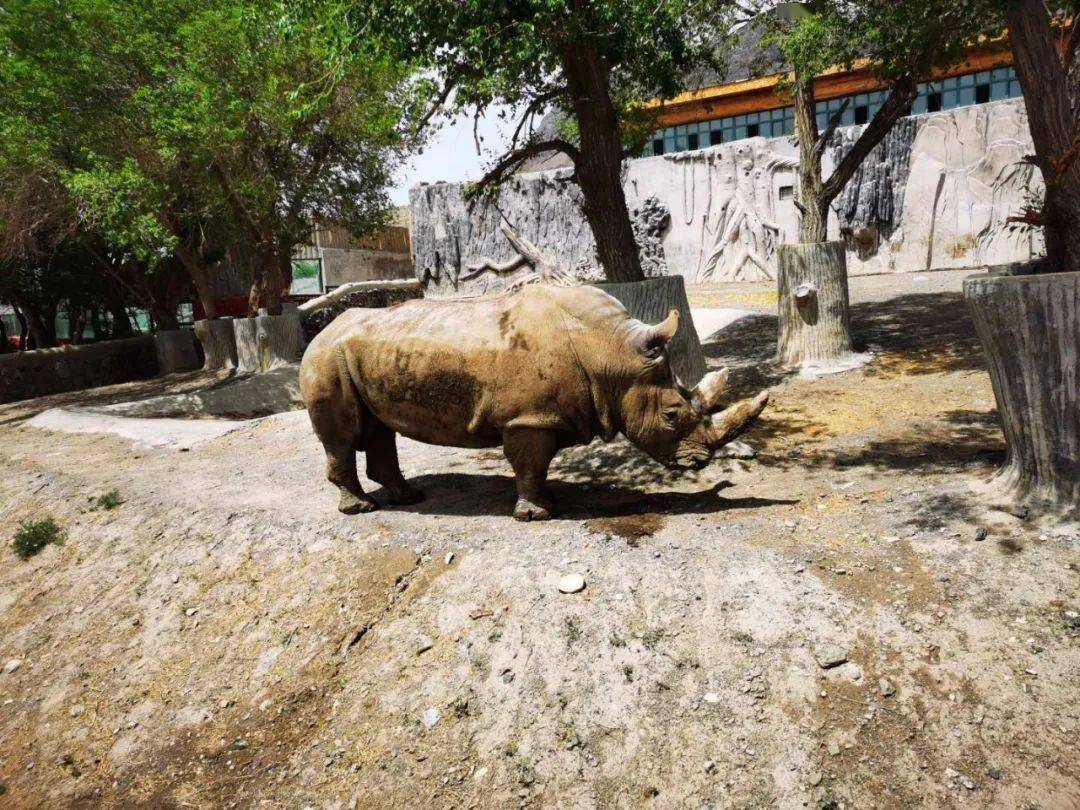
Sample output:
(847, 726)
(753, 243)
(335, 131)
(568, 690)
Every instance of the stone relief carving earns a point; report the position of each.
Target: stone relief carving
(459, 251)
(967, 176)
(935, 194)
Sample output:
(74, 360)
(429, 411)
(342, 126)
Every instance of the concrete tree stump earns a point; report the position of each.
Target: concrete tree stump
(1029, 327)
(280, 337)
(650, 301)
(219, 343)
(814, 319)
(268, 341)
(175, 350)
(246, 333)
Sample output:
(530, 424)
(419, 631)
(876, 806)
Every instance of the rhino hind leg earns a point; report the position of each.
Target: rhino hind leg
(380, 445)
(530, 451)
(341, 471)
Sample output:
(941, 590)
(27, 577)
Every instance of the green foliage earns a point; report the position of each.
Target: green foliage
(34, 535)
(214, 125)
(109, 500)
(897, 40)
(518, 53)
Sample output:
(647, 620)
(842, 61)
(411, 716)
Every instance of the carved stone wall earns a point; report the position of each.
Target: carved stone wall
(934, 195)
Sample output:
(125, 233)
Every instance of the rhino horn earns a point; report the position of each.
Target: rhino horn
(665, 330)
(729, 423)
(706, 396)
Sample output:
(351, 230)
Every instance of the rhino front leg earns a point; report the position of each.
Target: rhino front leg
(383, 467)
(529, 451)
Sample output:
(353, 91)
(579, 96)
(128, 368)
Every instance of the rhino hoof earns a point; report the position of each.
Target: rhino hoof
(527, 510)
(352, 505)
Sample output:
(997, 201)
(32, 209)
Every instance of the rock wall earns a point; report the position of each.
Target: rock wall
(24, 375)
(934, 195)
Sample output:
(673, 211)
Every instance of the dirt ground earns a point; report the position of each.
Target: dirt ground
(225, 638)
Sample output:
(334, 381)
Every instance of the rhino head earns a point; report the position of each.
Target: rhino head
(680, 428)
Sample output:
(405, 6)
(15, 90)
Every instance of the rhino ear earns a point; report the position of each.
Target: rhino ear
(708, 392)
(664, 331)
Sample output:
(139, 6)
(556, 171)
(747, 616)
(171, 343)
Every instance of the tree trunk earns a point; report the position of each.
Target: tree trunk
(1029, 327)
(1052, 100)
(121, 321)
(200, 279)
(40, 335)
(650, 301)
(814, 321)
(218, 341)
(813, 227)
(599, 166)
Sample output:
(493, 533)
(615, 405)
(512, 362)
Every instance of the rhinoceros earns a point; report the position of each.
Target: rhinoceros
(535, 370)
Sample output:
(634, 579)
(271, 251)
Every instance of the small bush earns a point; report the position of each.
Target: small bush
(110, 500)
(34, 535)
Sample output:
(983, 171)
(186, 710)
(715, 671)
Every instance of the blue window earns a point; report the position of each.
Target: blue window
(942, 94)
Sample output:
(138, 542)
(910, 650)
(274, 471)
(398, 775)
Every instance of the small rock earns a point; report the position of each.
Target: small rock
(829, 656)
(77, 710)
(943, 577)
(572, 583)
(711, 697)
(738, 449)
(430, 718)
(423, 644)
(191, 611)
(993, 773)
(449, 557)
(12, 665)
(886, 688)
(240, 744)
(833, 748)
(966, 782)
(814, 779)
(980, 534)
(853, 671)
(710, 766)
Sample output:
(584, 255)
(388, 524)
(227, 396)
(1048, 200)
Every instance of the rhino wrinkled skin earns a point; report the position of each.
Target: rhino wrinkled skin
(535, 370)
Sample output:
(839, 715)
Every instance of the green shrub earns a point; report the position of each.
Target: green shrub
(110, 500)
(34, 535)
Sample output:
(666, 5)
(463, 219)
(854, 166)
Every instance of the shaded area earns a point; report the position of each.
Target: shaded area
(599, 480)
(919, 333)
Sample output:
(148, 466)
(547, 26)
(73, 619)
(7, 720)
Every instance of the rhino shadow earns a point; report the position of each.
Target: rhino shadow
(596, 481)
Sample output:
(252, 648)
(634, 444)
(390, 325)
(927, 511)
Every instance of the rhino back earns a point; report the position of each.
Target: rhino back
(459, 372)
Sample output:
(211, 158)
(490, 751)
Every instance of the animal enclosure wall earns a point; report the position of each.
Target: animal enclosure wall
(934, 195)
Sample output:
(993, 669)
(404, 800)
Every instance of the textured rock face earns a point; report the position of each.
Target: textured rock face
(934, 195)
(449, 236)
(870, 207)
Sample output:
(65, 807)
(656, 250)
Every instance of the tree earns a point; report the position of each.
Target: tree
(901, 44)
(184, 131)
(1045, 43)
(589, 58)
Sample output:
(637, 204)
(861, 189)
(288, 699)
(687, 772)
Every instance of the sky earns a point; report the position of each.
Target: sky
(451, 154)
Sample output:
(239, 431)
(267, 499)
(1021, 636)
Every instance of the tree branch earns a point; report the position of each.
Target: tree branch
(830, 128)
(513, 159)
(894, 108)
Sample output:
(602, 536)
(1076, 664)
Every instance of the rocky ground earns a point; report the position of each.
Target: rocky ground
(852, 619)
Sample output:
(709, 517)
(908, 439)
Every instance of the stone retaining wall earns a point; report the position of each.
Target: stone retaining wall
(24, 375)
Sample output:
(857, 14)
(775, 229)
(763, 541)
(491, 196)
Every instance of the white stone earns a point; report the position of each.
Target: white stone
(572, 583)
(430, 718)
(12, 665)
